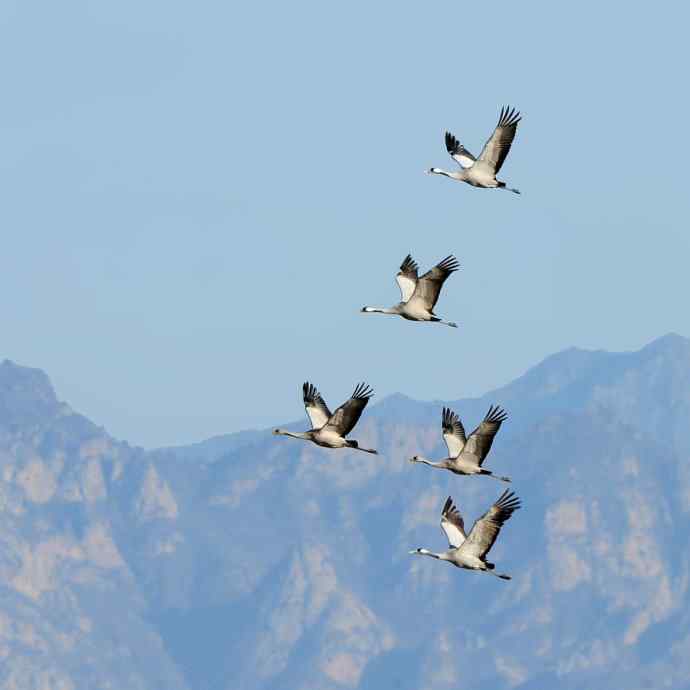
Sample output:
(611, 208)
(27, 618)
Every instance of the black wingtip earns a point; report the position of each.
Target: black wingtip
(496, 414)
(448, 418)
(362, 391)
(409, 264)
(508, 502)
(309, 392)
(509, 117)
(449, 264)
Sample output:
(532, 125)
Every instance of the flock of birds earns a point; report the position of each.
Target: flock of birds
(418, 297)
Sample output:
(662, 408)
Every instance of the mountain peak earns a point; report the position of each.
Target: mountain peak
(395, 404)
(671, 343)
(26, 395)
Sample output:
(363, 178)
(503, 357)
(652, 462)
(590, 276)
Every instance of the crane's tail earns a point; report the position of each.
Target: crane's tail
(351, 443)
(502, 185)
(489, 473)
(452, 324)
(490, 569)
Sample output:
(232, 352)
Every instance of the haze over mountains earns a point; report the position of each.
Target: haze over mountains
(261, 563)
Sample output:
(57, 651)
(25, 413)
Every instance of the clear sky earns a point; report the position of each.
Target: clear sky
(197, 198)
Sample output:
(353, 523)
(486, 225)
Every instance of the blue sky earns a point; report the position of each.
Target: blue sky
(198, 198)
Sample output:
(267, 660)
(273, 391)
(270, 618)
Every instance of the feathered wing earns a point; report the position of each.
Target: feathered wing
(496, 148)
(452, 524)
(343, 420)
(480, 440)
(430, 284)
(453, 432)
(314, 404)
(458, 152)
(485, 530)
(407, 277)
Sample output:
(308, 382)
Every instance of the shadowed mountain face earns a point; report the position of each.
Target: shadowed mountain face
(257, 562)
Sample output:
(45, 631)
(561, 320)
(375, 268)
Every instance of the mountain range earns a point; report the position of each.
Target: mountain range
(261, 563)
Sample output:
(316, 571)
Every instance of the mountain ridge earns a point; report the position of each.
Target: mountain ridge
(264, 563)
(13, 374)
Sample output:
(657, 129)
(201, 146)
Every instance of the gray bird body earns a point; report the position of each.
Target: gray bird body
(467, 453)
(482, 171)
(330, 429)
(419, 294)
(469, 551)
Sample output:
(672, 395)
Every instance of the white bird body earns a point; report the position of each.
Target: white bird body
(479, 175)
(328, 438)
(467, 454)
(456, 557)
(482, 171)
(468, 551)
(330, 429)
(419, 294)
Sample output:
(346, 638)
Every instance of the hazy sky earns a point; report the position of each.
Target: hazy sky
(197, 198)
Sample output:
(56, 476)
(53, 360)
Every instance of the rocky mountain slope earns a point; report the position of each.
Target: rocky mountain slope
(262, 563)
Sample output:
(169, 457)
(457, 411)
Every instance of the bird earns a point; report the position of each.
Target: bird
(482, 171)
(469, 551)
(466, 455)
(419, 295)
(330, 429)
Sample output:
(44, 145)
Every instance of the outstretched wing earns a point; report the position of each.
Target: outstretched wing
(485, 531)
(458, 152)
(496, 148)
(407, 277)
(479, 443)
(430, 284)
(343, 420)
(314, 404)
(452, 524)
(453, 432)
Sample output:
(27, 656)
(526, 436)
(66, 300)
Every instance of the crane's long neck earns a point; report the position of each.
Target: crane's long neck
(424, 461)
(304, 435)
(426, 552)
(380, 310)
(456, 175)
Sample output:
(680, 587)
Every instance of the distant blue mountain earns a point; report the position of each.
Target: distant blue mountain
(263, 563)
